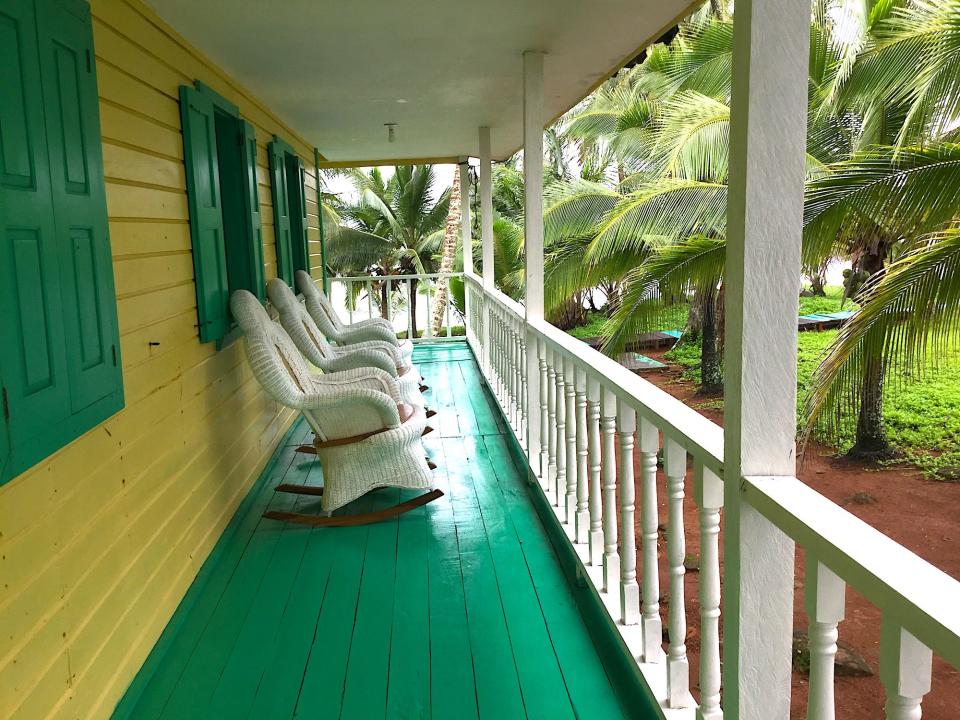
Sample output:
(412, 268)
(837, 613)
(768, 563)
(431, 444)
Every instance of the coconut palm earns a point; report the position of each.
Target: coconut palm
(395, 227)
(666, 225)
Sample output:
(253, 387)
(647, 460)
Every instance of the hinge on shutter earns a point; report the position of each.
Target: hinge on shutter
(6, 405)
(113, 349)
(89, 61)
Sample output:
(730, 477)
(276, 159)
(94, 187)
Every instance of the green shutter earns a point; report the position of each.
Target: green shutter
(32, 346)
(59, 362)
(281, 210)
(252, 197)
(83, 243)
(301, 256)
(206, 218)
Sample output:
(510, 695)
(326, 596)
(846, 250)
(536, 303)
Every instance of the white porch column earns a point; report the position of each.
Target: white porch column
(465, 221)
(764, 222)
(533, 182)
(533, 120)
(486, 207)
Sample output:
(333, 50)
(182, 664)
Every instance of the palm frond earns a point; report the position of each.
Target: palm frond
(909, 317)
(670, 272)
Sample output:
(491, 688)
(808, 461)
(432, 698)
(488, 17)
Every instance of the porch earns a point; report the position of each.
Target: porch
(458, 609)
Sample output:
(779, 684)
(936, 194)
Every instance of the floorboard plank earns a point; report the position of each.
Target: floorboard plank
(321, 691)
(544, 691)
(587, 683)
(495, 671)
(365, 691)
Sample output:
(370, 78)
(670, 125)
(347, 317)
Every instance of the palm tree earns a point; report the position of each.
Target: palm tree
(394, 227)
(448, 254)
(662, 229)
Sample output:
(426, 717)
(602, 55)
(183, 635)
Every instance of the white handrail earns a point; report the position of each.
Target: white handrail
(925, 600)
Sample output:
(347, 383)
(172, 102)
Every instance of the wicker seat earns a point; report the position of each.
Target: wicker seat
(365, 436)
(326, 318)
(314, 346)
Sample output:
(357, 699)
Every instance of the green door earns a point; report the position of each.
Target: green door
(206, 215)
(82, 240)
(281, 211)
(31, 315)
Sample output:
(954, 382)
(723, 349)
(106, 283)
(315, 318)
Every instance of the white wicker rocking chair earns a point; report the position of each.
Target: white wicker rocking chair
(326, 318)
(312, 343)
(365, 436)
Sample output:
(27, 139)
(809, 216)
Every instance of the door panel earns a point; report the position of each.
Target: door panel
(83, 243)
(32, 343)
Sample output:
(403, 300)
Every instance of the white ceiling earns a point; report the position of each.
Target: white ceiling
(335, 70)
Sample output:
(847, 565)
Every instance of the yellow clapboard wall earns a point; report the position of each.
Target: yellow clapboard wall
(100, 541)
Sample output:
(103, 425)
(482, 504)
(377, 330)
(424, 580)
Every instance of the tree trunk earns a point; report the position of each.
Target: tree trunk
(384, 298)
(412, 308)
(450, 234)
(871, 440)
(711, 369)
(817, 284)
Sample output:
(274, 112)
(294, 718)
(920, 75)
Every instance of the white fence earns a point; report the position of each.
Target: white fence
(359, 298)
(589, 417)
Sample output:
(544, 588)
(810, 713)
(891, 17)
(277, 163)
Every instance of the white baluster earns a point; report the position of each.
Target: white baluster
(678, 669)
(824, 598)
(569, 373)
(544, 417)
(428, 330)
(649, 528)
(349, 285)
(593, 444)
(582, 517)
(708, 493)
(561, 424)
(905, 670)
(608, 427)
(552, 421)
(629, 590)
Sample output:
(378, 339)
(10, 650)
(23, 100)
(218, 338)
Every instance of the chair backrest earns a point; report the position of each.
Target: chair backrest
(318, 304)
(299, 324)
(274, 359)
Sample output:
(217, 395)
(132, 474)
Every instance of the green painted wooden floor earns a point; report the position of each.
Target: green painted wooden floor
(459, 609)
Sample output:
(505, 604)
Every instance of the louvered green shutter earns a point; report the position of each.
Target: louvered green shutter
(281, 211)
(83, 243)
(252, 198)
(206, 219)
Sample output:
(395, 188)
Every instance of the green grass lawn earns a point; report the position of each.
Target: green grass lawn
(923, 416)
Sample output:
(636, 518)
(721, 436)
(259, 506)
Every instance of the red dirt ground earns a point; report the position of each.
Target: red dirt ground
(919, 513)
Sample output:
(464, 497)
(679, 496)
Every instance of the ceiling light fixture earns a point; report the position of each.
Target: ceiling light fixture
(391, 127)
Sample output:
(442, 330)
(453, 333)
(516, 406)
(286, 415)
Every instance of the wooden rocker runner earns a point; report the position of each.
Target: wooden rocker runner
(366, 435)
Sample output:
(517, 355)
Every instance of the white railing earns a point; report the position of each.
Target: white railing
(361, 297)
(580, 439)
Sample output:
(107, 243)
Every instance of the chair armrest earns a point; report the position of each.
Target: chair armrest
(381, 346)
(373, 322)
(343, 413)
(364, 377)
(354, 356)
(351, 336)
